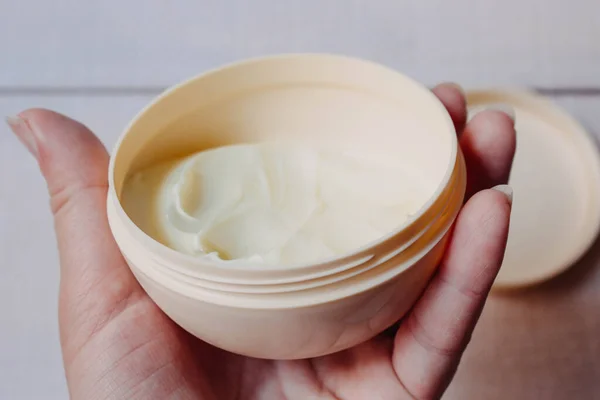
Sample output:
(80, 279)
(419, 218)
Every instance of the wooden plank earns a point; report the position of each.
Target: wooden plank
(552, 331)
(157, 42)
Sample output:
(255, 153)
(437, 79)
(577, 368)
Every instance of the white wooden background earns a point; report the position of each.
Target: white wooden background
(102, 61)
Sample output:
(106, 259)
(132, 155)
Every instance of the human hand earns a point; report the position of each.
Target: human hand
(117, 344)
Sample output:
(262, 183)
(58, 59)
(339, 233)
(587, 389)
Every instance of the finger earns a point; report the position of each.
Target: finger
(488, 144)
(431, 340)
(94, 278)
(453, 98)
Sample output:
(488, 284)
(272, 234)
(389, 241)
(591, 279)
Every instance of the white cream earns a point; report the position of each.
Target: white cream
(271, 204)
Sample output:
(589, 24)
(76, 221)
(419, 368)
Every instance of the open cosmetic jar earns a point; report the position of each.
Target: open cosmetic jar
(299, 310)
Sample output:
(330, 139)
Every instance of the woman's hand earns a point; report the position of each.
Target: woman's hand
(117, 344)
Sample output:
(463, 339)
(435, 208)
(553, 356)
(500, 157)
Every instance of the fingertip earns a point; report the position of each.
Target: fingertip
(48, 125)
(453, 98)
(451, 91)
(499, 197)
(487, 215)
(496, 118)
(40, 113)
(505, 109)
(489, 143)
(507, 191)
(69, 155)
(476, 251)
(60, 138)
(43, 117)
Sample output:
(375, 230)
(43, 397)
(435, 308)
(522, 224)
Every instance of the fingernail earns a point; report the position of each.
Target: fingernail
(505, 190)
(23, 132)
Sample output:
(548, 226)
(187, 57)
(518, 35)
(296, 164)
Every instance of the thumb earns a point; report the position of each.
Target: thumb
(70, 157)
(94, 278)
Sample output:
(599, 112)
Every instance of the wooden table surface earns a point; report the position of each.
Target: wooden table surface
(101, 62)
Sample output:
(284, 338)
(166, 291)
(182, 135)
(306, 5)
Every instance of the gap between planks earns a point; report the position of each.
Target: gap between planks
(123, 91)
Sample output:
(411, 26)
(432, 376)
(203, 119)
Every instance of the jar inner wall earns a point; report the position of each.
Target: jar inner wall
(344, 112)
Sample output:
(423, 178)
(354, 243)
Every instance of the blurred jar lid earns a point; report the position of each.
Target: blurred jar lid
(556, 182)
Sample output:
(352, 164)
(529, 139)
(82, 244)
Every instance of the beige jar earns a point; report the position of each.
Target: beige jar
(304, 310)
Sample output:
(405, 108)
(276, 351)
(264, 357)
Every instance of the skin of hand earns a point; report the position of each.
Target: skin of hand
(117, 344)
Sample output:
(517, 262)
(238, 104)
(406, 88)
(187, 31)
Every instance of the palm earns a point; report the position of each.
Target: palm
(117, 344)
(149, 353)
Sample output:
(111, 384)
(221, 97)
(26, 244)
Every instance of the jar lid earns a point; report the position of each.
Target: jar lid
(556, 182)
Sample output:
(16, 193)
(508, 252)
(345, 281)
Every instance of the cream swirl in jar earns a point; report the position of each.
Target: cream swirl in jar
(277, 204)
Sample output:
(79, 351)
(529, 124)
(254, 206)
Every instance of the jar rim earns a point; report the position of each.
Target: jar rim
(224, 272)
